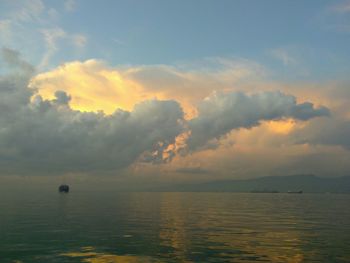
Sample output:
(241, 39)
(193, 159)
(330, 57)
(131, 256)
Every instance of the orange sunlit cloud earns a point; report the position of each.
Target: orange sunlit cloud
(95, 87)
(92, 86)
(281, 126)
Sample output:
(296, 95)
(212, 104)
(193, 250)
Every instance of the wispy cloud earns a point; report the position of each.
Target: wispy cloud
(284, 56)
(118, 41)
(28, 10)
(340, 17)
(5, 30)
(70, 5)
(22, 12)
(51, 36)
(32, 21)
(79, 40)
(342, 8)
(341, 28)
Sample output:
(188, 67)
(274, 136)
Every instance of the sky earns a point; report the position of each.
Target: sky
(174, 91)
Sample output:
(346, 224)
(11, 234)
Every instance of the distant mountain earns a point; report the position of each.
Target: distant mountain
(307, 183)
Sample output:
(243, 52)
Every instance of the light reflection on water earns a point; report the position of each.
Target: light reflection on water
(173, 227)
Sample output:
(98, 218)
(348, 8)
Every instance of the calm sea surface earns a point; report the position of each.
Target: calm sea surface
(173, 227)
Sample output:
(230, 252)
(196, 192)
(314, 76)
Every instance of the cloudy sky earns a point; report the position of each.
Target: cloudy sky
(174, 90)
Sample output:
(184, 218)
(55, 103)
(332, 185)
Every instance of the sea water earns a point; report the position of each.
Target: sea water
(109, 226)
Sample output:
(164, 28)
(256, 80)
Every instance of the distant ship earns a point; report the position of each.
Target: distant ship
(295, 192)
(63, 188)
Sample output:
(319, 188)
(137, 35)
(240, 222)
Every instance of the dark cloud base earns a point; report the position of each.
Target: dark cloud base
(39, 137)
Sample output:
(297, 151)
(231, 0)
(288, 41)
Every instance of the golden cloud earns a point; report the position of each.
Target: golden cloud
(94, 86)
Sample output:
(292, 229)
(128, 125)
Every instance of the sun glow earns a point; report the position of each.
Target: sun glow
(281, 126)
(92, 86)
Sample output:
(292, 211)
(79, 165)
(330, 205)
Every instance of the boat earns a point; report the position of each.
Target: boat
(63, 188)
(295, 192)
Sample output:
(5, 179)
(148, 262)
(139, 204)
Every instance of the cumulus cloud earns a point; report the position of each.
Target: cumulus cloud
(62, 97)
(40, 136)
(221, 113)
(94, 85)
(46, 136)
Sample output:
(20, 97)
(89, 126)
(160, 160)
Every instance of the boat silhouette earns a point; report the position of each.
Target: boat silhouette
(63, 188)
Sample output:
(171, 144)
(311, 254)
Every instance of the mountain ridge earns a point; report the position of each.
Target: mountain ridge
(308, 183)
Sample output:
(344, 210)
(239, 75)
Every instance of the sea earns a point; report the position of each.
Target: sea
(110, 226)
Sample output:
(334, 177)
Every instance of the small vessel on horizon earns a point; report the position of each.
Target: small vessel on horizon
(63, 188)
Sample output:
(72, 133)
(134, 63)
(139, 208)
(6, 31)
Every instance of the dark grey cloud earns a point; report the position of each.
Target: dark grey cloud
(62, 97)
(48, 137)
(332, 131)
(40, 136)
(223, 112)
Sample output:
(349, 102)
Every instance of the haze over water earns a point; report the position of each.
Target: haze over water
(97, 226)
